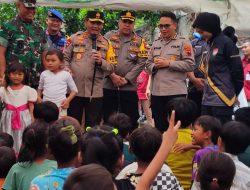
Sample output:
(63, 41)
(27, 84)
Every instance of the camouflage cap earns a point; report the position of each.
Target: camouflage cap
(29, 3)
(95, 16)
(128, 15)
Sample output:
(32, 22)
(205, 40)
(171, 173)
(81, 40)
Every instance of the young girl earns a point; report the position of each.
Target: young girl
(64, 137)
(31, 159)
(143, 83)
(54, 82)
(19, 103)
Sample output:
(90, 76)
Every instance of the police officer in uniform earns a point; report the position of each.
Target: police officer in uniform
(170, 58)
(120, 87)
(23, 41)
(88, 53)
(55, 37)
(222, 68)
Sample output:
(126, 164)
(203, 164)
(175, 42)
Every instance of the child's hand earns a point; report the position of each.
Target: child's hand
(65, 104)
(181, 147)
(171, 135)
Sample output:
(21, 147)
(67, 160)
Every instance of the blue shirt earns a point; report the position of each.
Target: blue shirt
(53, 180)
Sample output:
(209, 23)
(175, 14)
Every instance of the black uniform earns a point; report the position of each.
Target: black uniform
(224, 78)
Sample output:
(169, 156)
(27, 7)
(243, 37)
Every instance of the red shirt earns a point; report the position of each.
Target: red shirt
(246, 67)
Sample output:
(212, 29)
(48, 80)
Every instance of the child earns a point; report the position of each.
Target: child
(123, 123)
(31, 159)
(233, 140)
(46, 111)
(6, 140)
(168, 140)
(143, 83)
(54, 82)
(216, 171)
(19, 103)
(181, 162)
(64, 136)
(7, 160)
(144, 143)
(243, 115)
(91, 176)
(102, 145)
(205, 134)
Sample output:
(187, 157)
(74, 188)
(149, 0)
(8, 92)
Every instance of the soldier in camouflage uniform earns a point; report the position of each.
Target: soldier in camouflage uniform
(22, 40)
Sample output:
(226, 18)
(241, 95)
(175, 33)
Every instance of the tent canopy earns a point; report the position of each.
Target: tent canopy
(232, 12)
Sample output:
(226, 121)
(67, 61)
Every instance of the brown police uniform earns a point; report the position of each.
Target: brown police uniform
(170, 82)
(77, 56)
(131, 58)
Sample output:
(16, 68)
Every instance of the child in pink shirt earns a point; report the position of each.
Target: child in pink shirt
(143, 83)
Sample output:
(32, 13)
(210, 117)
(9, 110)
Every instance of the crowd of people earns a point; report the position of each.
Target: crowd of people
(72, 107)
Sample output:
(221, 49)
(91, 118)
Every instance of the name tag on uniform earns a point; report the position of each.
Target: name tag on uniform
(157, 47)
(248, 77)
(174, 46)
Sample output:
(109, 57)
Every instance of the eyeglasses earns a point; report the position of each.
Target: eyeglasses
(126, 21)
(166, 26)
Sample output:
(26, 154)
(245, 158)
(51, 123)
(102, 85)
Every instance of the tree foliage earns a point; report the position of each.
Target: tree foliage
(75, 17)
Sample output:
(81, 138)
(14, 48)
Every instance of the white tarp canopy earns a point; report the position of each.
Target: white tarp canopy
(232, 12)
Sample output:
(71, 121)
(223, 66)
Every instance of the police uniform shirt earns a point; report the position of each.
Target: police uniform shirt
(77, 56)
(131, 56)
(171, 80)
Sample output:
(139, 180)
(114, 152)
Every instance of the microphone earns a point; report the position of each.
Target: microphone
(93, 38)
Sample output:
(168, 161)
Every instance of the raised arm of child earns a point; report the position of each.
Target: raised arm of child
(168, 141)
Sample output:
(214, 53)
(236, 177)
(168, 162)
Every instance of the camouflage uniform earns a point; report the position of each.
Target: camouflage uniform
(24, 42)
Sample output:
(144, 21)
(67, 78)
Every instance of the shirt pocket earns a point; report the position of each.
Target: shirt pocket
(78, 51)
(19, 43)
(156, 53)
(132, 54)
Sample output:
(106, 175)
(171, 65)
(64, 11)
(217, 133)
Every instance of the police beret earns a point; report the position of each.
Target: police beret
(55, 14)
(128, 15)
(29, 3)
(95, 16)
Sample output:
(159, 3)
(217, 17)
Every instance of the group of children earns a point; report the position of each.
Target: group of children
(38, 151)
(19, 99)
(58, 154)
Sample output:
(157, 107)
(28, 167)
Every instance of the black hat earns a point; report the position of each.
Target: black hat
(209, 22)
(95, 16)
(128, 15)
(52, 13)
(29, 3)
(229, 31)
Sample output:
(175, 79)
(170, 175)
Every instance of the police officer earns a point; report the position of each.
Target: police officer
(55, 37)
(120, 87)
(222, 68)
(170, 58)
(23, 41)
(88, 53)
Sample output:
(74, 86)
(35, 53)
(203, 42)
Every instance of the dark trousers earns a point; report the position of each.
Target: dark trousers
(223, 113)
(159, 110)
(93, 110)
(196, 96)
(121, 101)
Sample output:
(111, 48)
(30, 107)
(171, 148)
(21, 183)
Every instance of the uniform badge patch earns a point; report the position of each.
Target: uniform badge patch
(187, 49)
